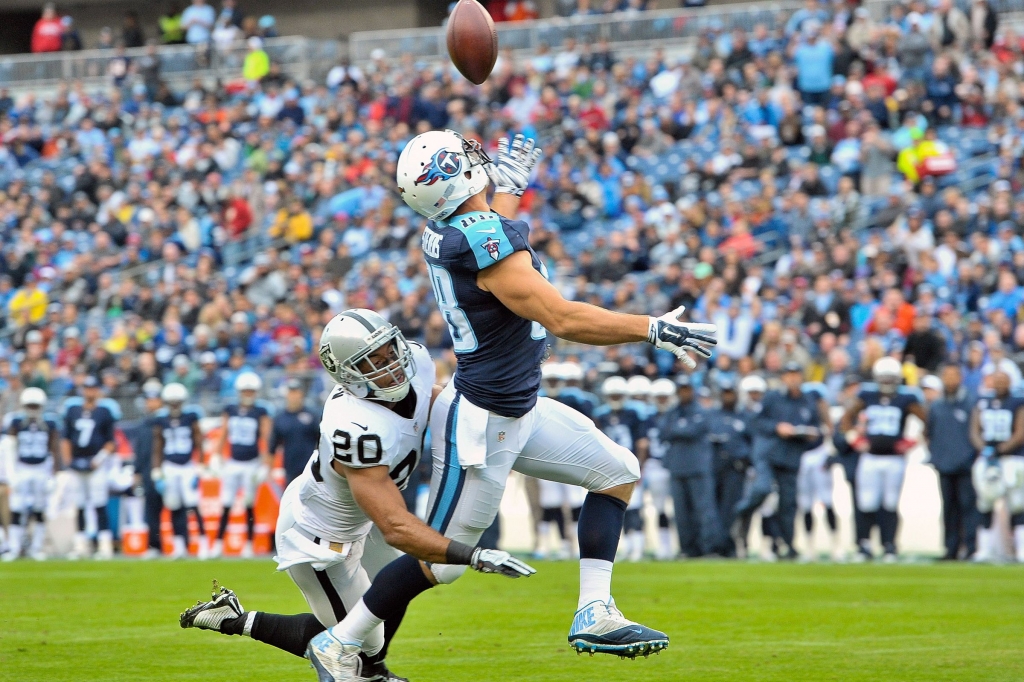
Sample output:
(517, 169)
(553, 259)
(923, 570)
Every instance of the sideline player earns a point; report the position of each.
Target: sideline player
(656, 478)
(36, 438)
(997, 431)
(491, 289)
(177, 446)
(344, 517)
(879, 480)
(89, 425)
(245, 428)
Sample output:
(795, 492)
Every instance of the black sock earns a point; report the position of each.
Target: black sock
(870, 521)
(861, 525)
(887, 523)
(287, 633)
(199, 520)
(81, 520)
(830, 518)
(102, 522)
(394, 587)
(808, 521)
(15, 518)
(250, 522)
(663, 520)
(600, 526)
(223, 522)
(179, 523)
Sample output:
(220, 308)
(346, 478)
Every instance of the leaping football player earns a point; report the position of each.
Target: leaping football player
(492, 290)
(344, 518)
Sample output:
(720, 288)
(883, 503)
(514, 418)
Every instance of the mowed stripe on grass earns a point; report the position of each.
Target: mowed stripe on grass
(727, 621)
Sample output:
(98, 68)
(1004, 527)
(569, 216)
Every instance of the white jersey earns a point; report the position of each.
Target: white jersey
(361, 433)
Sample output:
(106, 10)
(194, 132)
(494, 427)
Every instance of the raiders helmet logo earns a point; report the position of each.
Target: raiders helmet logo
(327, 358)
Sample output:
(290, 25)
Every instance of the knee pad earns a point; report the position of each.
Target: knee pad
(15, 518)
(446, 574)
(39, 517)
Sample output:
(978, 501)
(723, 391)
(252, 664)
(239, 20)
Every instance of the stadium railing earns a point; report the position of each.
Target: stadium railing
(298, 56)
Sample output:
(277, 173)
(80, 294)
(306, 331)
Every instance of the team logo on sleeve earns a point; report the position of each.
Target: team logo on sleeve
(491, 247)
(444, 165)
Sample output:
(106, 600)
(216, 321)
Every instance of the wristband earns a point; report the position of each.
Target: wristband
(458, 554)
(652, 330)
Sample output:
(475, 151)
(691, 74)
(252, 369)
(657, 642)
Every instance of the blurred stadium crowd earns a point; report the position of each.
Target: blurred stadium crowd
(829, 192)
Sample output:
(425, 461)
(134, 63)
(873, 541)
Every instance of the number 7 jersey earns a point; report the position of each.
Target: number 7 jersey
(498, 352)
(359, 434)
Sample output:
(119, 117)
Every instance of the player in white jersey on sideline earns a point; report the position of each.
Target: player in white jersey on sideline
(36, 439)
(344, 517)
(656, 478)
(492, 290)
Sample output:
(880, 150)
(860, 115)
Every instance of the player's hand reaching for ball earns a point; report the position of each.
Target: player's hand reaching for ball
(511, 170)
(669, 333)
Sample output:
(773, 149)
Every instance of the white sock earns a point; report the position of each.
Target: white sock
(665, 540)
(1018, 539)
(595, 581)
(38, 537)
(357, 626)
(17, 533)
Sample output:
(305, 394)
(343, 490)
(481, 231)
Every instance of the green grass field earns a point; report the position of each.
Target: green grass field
(75, 622)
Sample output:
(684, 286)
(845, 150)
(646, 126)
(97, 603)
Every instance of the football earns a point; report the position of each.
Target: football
(472, 40)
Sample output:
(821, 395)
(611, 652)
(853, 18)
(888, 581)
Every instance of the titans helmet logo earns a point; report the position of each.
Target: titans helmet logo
(444, 165)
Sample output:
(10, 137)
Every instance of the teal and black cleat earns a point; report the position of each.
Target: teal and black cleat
(334, 660)
(600, 628)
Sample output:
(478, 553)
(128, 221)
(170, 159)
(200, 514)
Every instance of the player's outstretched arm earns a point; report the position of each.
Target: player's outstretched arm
(524, 291)
(379, 497)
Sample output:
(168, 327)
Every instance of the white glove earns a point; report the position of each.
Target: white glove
(668, 333)
(511, 171)
(497, 561)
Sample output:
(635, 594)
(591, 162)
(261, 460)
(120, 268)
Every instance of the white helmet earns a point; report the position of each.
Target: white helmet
(887, 373)
(638, 387)
(247, 381)
(571, 371)
(32, 398)
(177, 393)
(663, 394)
(752, 383)
(348, 341)
(614, 390)
(437, 171)
(551, 376)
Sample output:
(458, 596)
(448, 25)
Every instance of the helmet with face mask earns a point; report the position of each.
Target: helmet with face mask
(663, 394)
(175, 395)
(32, 400)
(638, 388)
(551, 377)
(888, 374)
(614, 390)
(346, 346)
(572, 373)
(752, 384)
(247, 384)
(438, 170)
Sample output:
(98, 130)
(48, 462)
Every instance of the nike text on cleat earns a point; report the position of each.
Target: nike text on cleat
(211, 615)
(336, 661)
(600, 628)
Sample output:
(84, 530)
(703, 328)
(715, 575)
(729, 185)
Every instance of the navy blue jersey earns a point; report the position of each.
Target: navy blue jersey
(88, 431)
(244, 430)
(498, 352)
(656, 447)
(32, 437)
(886, 416)
(996, 417)
(177, 434)
(624, 426)
(579, 400)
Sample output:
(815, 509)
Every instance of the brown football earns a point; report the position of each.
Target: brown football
(472, 40)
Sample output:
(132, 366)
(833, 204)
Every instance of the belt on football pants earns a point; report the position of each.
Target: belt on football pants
(342, 548)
